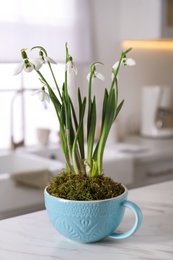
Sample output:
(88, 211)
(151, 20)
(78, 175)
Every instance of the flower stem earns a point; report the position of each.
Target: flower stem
(55, 80)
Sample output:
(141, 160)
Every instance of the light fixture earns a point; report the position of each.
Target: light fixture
(160, 44)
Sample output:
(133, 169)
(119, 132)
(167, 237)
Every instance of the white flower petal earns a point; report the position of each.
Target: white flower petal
(99, 76)
(75, 69)
(68, 66)
(35, 92)
(88, 76)
(113, 76)
(37, 63)
(115, 66)
(47, 98)
(38, 66)
(18, 68)
(130, 62)
(48, 59)
(28, 68)
(38, 60)
(41, 95)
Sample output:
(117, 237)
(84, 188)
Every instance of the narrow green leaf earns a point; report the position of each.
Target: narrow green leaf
(108, 120)
(128, 50)
(76, 163)
(91, 133)
(81, 132)
(118, 109)
(94, 171)
(104, 105)
(74, 114)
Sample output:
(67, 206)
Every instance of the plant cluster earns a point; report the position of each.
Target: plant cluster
(72, 124)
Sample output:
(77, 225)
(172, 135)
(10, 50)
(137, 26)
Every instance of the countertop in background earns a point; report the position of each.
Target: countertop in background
(145, 149)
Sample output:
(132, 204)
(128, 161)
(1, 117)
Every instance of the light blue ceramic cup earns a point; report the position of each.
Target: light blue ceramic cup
(91, 221)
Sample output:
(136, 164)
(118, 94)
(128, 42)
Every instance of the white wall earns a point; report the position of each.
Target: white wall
(113, 21)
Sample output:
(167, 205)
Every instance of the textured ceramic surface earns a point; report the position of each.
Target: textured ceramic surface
(90, 221)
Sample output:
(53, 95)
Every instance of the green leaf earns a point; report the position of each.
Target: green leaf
(118, 109)
(74, 114)
(107, 123)
(94, 170)
(76, 162)
(104, 105)
(81, 132)
(128, 50)
(91, 133)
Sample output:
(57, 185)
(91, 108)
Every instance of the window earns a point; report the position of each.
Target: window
(49, 23)
(15, 93)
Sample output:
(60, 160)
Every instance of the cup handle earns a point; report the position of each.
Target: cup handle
(138, 220)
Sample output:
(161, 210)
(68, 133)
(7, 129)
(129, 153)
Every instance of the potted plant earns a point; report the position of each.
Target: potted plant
(83, 203)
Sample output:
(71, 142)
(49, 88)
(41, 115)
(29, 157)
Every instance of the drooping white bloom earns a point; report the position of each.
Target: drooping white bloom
(70, 67)
(27, 66)
(22, 66)
(97, 75)
(36, 62)
(42, 94)
(44, 59)
(130, 62)
(125, 61)
(94, 73)
(48, 59)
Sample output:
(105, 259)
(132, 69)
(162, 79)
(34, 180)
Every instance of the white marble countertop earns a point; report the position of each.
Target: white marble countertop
(31, 236)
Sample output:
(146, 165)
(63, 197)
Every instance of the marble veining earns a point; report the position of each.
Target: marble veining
(32, 237)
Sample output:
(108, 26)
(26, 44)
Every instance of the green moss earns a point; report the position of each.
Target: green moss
(83, 188)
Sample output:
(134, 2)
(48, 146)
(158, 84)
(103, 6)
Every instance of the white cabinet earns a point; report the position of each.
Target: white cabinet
(153, 160)
(16, 200)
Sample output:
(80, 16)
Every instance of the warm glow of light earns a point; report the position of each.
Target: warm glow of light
(164, 44)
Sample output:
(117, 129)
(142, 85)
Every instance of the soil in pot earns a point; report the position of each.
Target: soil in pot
(83, 188)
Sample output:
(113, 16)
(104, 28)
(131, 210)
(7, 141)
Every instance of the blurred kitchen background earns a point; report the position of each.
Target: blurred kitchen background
(141, 140)
(95, 31)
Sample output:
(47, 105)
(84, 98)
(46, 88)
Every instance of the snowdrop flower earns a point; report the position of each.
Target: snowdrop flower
(125, 61)
(44, 59)
(70, 67)
(27, 64)
(96, 74)
(48, 59)
(42, 94)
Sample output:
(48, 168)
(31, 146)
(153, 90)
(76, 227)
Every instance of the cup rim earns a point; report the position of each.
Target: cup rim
(86, 201)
